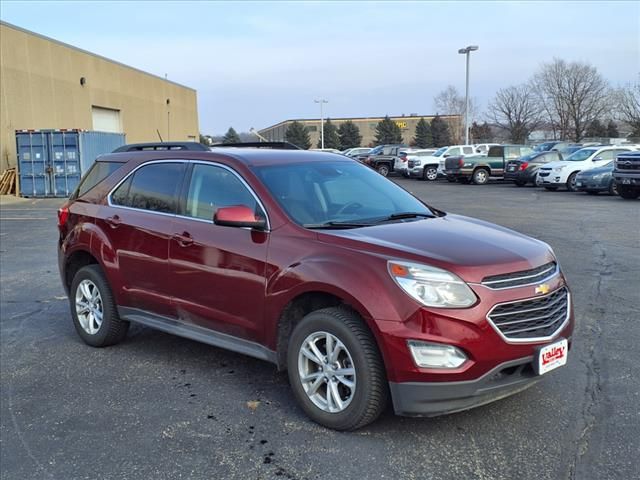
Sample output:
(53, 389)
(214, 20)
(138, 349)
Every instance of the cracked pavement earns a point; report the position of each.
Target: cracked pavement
(158, 406)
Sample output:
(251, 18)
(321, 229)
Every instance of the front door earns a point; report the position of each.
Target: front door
(218, 273)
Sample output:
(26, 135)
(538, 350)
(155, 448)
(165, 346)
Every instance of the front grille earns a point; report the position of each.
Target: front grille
(412, 163)
(532, 319)
(523, 277)
(627, 165)
(544, 173)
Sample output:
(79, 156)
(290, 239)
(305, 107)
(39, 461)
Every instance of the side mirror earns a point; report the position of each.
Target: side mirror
(446, 155)
(598, 159)
(238, 216)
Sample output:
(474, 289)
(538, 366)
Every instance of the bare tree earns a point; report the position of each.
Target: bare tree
(572, 94)
(517, 111)
(450, 102)
(628, 105)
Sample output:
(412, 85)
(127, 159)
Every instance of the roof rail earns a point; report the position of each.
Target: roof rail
(270, 145)
(140, 147)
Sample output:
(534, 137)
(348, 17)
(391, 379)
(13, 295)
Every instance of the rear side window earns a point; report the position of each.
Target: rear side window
(97, 173)
(153, 187)
(467, 150)
(495, 151)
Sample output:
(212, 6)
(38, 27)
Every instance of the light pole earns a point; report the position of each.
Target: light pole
(466, 51)
(321, 102)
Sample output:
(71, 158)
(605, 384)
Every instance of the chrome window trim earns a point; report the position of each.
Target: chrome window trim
(187, 162)
(532, 339)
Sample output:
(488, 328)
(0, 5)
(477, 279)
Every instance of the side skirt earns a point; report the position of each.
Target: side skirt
(197, 333)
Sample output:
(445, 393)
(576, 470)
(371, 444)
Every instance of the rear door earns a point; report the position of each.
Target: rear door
(137, 222)
(217, 272)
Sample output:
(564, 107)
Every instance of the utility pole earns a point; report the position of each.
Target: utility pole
(466, 51)
(321, 102)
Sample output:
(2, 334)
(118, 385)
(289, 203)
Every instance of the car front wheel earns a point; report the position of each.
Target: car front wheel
(93, 309)
(430, 174)
(335, 369)
(571, 182)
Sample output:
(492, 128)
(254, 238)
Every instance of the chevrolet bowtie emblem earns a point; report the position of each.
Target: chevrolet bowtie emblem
(543, 288)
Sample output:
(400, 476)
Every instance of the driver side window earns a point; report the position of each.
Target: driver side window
(212, 187)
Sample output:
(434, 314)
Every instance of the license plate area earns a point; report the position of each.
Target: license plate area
(551, 356)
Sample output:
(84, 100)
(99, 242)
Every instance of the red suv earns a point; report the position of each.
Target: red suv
(316, 263)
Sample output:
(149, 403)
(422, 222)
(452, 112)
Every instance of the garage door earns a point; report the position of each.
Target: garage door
(106, 119)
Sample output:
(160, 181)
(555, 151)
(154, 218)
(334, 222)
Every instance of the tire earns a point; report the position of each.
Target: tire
(451, 179)
(613, 188)
(430, 174)
(480, 176)
(111, 329)
(628, 193)
(369, 395)
(571, 182)
(551, 189)
(383, 169)
(520, 183)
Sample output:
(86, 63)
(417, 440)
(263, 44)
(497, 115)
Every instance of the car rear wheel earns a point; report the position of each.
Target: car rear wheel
(336, 370)
(430, 174)
(613, 188)
(383, 169)
(451, 179)
(571, 182)
(93, 309)
(481, 176)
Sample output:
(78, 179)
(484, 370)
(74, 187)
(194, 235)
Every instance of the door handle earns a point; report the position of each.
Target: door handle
(114, 222)
(184, 239)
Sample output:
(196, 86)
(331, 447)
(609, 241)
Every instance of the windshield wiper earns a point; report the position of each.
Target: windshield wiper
(336, 225)
(403, 215)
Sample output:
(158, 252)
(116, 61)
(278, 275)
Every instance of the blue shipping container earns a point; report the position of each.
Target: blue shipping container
(51, 162)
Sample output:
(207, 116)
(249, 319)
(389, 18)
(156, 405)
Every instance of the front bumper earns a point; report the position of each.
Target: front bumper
(627, 179)
(589, 184)
(430, 399)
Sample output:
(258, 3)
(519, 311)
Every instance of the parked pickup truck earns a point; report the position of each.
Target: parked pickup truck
(385, 159)
(626, 174)
(479, 168)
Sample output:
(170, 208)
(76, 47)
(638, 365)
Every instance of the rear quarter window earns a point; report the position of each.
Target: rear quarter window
(96, 174)
(496, 152)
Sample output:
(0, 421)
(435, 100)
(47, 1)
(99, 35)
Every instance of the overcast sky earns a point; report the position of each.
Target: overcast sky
(256, 64)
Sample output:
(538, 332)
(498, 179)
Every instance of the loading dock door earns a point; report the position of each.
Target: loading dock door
(106, 120)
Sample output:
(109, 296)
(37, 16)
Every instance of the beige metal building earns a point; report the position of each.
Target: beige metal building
(46, 84)
(367, 126)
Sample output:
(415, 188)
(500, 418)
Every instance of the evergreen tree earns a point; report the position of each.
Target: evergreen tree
(423, 138)
(388, 131)
(298, 134)
(596, 129)
(440, 131)
(331, 137)
(349, 135)
(612, 130)
(231, 136)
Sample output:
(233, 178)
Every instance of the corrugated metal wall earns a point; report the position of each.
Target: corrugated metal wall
(93, 144)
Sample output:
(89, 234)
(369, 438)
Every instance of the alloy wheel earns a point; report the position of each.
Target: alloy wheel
(327, 372)
(89, 306)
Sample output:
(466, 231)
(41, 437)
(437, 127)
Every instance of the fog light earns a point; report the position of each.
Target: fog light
(434, 355)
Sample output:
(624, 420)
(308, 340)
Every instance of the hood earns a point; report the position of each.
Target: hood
(558, 163)
(596, 171)
(471, 248)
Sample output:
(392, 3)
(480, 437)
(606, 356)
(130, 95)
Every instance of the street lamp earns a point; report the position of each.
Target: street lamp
(321, 102)
(466, 51)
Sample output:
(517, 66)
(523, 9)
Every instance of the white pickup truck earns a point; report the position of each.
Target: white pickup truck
(431, 167)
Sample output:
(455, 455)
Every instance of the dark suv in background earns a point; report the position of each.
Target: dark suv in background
(318, 264)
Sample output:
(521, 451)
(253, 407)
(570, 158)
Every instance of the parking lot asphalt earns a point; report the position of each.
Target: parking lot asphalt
(162, 407)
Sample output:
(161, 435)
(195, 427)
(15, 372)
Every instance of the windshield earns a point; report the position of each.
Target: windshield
(319, 193)
(376, 150)
(581, 155)
(440, 151)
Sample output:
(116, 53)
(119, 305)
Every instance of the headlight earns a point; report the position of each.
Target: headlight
(559, 169)
(435, 355)
(417, 163)
(432, 287)
(598, 177)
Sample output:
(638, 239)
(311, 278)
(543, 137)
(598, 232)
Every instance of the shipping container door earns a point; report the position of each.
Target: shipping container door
(64, 155)
(33, 162)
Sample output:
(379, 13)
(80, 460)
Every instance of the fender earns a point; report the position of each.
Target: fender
(102, 249)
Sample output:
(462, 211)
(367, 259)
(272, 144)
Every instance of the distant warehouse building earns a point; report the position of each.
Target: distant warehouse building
(366, 125)
(46, 84)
